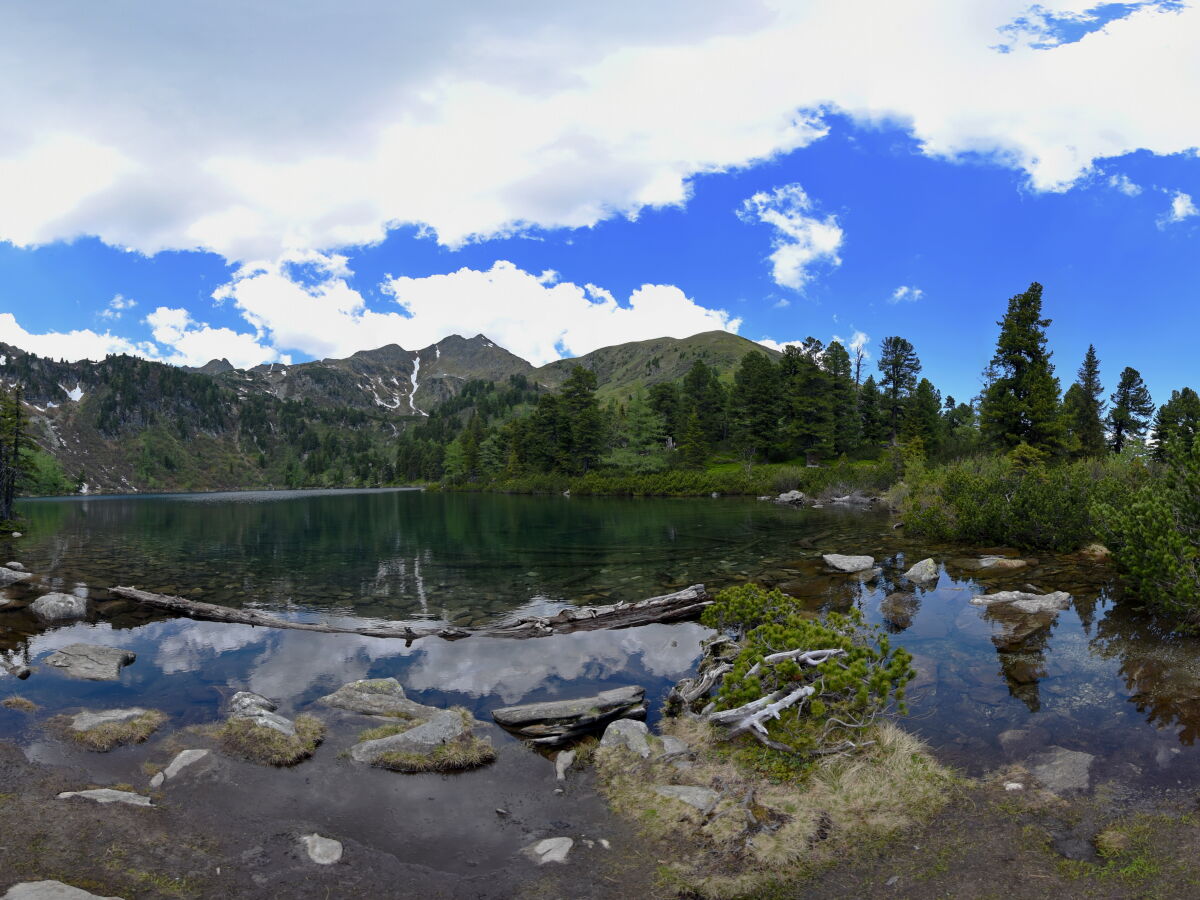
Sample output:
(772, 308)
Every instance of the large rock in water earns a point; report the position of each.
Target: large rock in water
(444, 726)
(923, 572)
(91, 662)
(559, 721)
(848, 564)
(12, 576)
(1021, 614)
(59, 607)
(49, 890)
(261, 711)
(377, 697)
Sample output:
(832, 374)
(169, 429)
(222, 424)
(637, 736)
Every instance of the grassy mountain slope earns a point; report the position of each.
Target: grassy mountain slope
(623, 368)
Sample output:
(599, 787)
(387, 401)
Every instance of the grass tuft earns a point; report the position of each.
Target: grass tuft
(465, 752)
(257, 743)
(382, 731)
(103, 738)
(19, 703)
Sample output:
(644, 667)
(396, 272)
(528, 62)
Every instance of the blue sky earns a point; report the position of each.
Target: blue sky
(619, 187)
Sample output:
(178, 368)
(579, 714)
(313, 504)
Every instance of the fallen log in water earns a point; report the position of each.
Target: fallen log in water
(685, 604)
(210, 612)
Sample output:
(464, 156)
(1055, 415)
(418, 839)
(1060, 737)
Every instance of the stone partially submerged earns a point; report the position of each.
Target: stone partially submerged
(445, 742)
(255, 731)
(848, 564)
(1021, 614)
(91, 662)
(109, 728)
(559, 721)
(377, 697)
(1061, 770)
(923, 572)
(10, 575)
(108, 795)
(182, 760)
(49, 890)
(58, 607)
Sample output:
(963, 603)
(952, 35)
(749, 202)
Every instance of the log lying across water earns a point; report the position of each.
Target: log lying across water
(685, 604)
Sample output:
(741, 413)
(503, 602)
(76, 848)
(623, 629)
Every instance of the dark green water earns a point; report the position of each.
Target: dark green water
(1104, 679)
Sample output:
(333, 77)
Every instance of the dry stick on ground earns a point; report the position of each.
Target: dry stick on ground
(684, 604)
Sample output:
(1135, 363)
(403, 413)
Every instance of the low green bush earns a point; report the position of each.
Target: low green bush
(1015, 500)
(1154, 536)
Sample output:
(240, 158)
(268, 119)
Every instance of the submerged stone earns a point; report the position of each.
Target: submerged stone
(322, 850)
(182, 760)
(91, 662)
(549, 850)
(924, 571)
(49, 890)
(58, 607)
(86, 721)
(259, 710)
(558, 721)
(377, 697)
(1061, 770)
(848, 564)
(12, 576)
(108, 795)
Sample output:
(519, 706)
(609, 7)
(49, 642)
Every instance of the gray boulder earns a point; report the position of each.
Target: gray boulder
(58, 607)
(923, 572)
(49, 890)
(559, 721)
(1020, 614)
(701, 798)
(108, 795)
(15, 566)
(444, 726)
(91, 662)
(321, 850)
(377, 697)
(1061, 770)
(261, 711)
(848, 564)
(549, 850)
(791, 497)
(12, 576)
(1001, 562)
(630, 734)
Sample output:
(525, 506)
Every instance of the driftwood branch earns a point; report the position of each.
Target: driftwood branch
(800, 657)
(674, 607)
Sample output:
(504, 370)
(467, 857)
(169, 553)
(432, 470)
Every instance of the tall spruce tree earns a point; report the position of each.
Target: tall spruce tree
(585, 423)
(899, 368)
(14, 442)
(1020, 405)
(870, 414)
(807, 425)
(1176, 424)
(923, 419)
(754, 406)
(843, 397)
(702, 390)
(1088, 424)
(1131, 409)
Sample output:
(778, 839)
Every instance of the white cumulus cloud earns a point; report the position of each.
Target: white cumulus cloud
(80, 343)
(1182, 207)
(1124, 184)
(906, 293)
(801, 239)
(235, 128)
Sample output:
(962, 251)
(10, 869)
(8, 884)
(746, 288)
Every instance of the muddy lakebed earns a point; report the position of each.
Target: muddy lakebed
(1102, 680)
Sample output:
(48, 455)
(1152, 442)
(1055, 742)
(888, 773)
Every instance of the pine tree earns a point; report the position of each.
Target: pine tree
(1089, 425)
(870, 414)
(1176, 423)
(693, 446)
(1131, 410)
(666, 401)
(843, 396)
(14, 444)
(1020, 405)
(754, 406)
(807, 412)
(584, 422)
(899, 367)
(923, 419)
(702, 393)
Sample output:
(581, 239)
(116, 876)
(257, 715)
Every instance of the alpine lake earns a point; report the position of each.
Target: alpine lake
(1104, 679)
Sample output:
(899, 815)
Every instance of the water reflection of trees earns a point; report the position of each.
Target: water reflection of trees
(1160, 670)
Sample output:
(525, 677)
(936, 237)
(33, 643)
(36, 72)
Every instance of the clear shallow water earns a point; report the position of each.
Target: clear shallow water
(1103, 679)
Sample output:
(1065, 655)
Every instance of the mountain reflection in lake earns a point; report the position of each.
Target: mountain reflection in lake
(1102, 678)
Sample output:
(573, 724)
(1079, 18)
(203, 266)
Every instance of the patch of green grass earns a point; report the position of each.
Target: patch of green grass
(382, 731)
(465, 752)
(19, 703)
(257, 743)
(103, 738)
